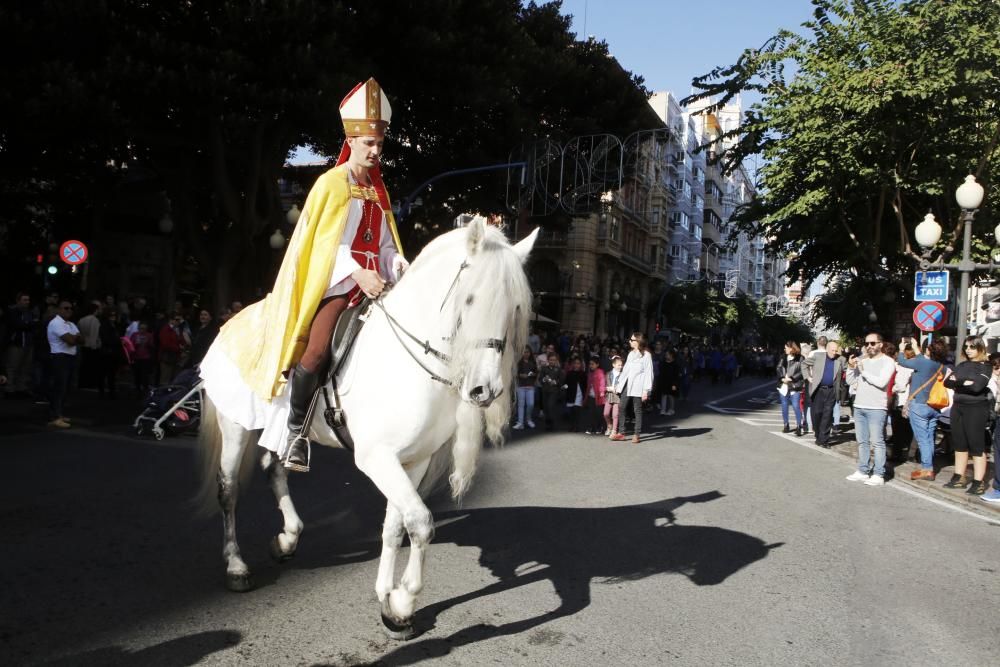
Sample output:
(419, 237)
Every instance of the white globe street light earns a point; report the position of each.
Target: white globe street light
(969, 194)
(166, 224)
(293, 215)
(276, 240)
(928, 232)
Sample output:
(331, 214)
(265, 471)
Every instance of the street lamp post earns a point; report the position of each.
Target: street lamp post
(969, 196)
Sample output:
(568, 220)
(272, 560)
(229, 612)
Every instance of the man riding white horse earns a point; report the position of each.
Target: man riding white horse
(345, 247)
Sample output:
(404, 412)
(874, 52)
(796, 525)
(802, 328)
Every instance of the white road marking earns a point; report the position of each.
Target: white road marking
(938, 501)
(712, 404)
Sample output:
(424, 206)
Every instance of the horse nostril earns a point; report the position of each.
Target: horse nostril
(476, 393)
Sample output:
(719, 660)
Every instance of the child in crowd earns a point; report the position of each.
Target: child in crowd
(594, 402)
(612, 401)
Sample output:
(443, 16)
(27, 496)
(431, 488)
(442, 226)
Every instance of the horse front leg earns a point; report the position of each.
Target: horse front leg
(392, 539)
(285, 543)
(404, 507)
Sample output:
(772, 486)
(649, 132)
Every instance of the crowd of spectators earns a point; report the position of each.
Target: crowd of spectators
(586, 384)
(47, 349)
(903, 397)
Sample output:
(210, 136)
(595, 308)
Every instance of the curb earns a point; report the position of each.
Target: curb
(901, 474)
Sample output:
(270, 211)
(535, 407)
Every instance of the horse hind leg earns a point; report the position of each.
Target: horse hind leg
(234, 446)
(285, 543)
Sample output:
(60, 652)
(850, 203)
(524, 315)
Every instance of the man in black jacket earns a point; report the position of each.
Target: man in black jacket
(825, 374)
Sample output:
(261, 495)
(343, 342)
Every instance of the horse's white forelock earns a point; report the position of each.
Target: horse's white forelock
(500, 306)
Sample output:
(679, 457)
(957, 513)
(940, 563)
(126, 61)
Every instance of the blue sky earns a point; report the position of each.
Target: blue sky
(668, 42)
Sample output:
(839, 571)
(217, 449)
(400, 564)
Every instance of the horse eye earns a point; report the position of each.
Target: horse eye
(468, 300)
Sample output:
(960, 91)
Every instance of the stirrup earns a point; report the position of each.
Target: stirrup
(293, 466)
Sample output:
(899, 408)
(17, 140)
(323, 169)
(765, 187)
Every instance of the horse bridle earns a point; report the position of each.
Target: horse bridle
(498, 344)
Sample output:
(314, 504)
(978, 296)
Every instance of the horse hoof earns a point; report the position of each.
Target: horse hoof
(238, 583)
(277, 554)
(394, 629)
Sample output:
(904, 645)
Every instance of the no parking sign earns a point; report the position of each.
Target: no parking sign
(73, 252)
(929, 316)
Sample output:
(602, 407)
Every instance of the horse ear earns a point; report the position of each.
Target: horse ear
(524, 246)
(476, 234)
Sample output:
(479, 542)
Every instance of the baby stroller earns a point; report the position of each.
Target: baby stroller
(174, 408)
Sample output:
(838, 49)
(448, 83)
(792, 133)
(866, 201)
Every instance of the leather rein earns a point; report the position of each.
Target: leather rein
(497, 344)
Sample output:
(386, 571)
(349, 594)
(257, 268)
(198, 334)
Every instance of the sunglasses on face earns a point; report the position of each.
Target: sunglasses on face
(871, 343)
(969, 347)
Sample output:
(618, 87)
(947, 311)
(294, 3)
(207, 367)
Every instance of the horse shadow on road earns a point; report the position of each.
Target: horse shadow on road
(574, 548)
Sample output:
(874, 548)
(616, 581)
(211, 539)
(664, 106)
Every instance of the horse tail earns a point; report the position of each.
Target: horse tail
(210, 442)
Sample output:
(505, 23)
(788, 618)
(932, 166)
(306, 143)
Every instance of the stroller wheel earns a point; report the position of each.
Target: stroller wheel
(158, 433)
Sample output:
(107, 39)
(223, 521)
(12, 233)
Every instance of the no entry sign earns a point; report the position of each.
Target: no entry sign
(929, 316)
(73, 252)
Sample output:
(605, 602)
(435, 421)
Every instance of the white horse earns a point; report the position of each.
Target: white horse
(466, 295)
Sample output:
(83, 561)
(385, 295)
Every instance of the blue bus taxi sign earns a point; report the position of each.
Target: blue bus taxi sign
(930, 286)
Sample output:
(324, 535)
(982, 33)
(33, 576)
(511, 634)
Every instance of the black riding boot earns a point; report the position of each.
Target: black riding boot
(303, 386)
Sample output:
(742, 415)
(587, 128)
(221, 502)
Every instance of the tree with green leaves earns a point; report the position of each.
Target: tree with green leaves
(868, 120)
(204, 102)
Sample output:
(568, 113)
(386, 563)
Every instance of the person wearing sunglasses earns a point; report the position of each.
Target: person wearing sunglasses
(635, 383)
(970, 413)
(870, 376)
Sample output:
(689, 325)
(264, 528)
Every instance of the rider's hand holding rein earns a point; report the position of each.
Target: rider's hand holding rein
(370, 282)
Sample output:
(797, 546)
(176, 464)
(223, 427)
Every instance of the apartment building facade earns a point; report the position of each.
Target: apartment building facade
(667, 224)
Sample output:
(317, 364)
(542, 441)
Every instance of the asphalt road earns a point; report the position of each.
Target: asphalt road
(712, 542)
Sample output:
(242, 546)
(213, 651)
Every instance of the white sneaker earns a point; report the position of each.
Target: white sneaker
(664, 413)
(670, 413)
(531, 424)
(875, 480)
(519, 426)
(855, 476)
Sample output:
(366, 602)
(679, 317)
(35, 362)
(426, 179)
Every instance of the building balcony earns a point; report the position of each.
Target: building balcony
(714, 202)
(607, 244)
(637, 263)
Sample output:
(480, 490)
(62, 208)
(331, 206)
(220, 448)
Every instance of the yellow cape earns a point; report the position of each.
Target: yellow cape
(268, 337)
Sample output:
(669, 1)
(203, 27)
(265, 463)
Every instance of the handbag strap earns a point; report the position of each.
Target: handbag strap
(921, 388)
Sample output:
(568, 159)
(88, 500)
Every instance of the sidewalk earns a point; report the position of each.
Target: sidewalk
(85, 408)
(847, 447)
